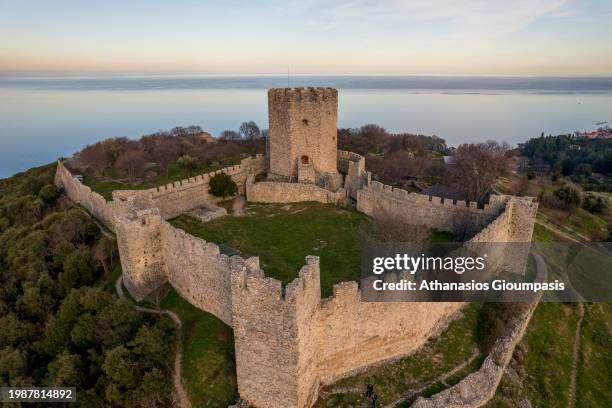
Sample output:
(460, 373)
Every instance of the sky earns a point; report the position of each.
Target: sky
(164, 37)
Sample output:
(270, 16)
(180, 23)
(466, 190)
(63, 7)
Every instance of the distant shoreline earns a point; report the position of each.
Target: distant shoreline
(421, 83)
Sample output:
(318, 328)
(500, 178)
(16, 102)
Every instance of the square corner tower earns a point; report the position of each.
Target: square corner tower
(303, 126)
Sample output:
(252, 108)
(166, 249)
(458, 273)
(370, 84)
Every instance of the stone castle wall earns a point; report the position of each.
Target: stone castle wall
(353, 334)
(288, 341)
(476, 389)
(377, 199)
(171, 199)
(281, 192)
(281, 337)
(302, 122)
(353, 165)
(81, 194)
(181, 196)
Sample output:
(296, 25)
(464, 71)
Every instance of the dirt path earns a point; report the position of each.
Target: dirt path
(577, 344)
(553, 228)
(562, 229)
(409, 394)
(181, 395)
(102, 228)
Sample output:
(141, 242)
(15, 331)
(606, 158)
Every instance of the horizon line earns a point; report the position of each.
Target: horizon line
(284, 75)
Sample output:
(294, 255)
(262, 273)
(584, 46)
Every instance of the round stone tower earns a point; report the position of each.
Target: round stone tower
(303, 126)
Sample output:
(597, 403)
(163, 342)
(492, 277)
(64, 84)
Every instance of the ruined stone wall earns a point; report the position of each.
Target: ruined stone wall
(353, 165)
(302, 122)
(280, 192)
(479, 387)
(443, 215)
(180, 196)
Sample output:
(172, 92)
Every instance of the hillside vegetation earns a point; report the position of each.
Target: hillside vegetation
(61, 324)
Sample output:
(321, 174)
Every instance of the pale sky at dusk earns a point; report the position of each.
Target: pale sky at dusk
(508, 37)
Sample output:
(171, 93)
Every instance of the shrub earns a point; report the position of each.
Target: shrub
(569, 196)
(594, 204)
(187, 162)
(49, 193)
(222, 185)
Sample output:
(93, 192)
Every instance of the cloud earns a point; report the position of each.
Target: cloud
(465, 17)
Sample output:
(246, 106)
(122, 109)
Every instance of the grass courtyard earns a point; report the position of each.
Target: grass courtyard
(283, 235)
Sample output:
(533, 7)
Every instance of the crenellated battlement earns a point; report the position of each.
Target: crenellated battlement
(289, 341)
(246, 164)
(495, 204)
(303, 125)
(302, 95)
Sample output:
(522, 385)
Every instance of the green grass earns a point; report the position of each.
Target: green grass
(175, 173)
(541, 234)
(545, 369)
(440, 355)
(549, 345)
(441, 236)
(594, 382)
(282, 236)
(209, 371)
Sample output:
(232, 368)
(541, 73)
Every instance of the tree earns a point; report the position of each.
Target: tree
(187, 162)
(229, 135)
(49, 193)
(222, 185)
(594, 204)
(250, 130)
(164, 153)
(96, 157)
(132, 163)
(78, 269)
(194, 130)
(569, 196)
(64, 371)
(476, 168)
(104, 253)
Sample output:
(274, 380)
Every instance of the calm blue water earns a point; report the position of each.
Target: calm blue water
(44, 118)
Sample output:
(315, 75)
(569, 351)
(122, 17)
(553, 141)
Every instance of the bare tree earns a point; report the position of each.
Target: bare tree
(389, 227)
(230, 135)
(96, 157)
(250, 130)
(164, 154)
(132, 163)
(477, 167)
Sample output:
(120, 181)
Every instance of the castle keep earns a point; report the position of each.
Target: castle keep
(303, 124)
(289, 341)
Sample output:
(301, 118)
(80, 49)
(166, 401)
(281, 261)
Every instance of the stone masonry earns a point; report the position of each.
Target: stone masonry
(288, 341)
(303, 124)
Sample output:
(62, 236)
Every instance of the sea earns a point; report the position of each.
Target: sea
(44, 118)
